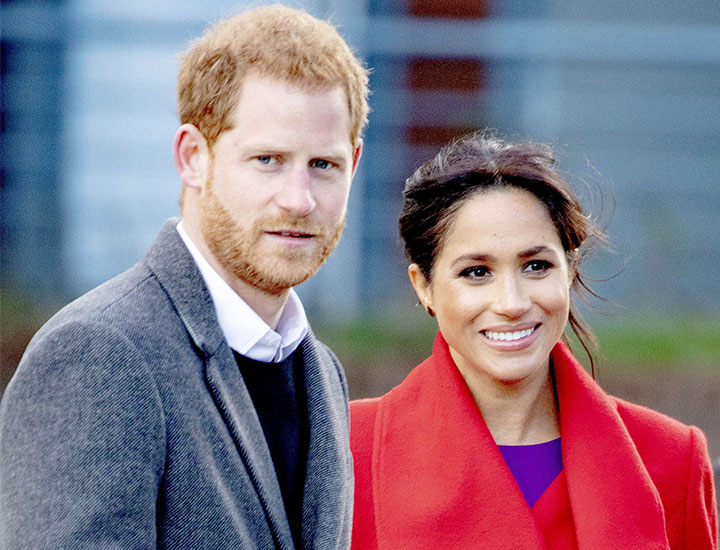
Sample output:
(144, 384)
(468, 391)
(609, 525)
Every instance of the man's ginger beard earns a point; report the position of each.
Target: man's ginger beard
(248, 254)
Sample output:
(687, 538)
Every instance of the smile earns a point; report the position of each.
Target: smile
(508, 336)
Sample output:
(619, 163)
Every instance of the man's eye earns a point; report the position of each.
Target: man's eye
(475, 272)
(322, 164)
(537, 266)
(266, 159)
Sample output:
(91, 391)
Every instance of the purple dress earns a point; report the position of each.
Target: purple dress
(534, 467)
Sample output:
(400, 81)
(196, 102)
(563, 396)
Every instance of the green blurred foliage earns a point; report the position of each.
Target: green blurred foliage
(661, 342)
(628, 342)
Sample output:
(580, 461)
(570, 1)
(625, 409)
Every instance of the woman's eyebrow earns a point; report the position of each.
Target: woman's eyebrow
(465, 258)
(530, 252)
(535, 250)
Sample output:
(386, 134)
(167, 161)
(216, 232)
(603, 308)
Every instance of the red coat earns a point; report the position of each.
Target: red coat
(428, 474)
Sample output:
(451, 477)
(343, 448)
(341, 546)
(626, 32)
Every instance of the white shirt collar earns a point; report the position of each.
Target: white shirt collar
(244, 330)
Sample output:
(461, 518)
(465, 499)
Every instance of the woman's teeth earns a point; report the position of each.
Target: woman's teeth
(509, 336)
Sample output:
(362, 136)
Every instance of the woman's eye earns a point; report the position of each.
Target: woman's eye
(475, 272)
(537, 266)
(266, 159)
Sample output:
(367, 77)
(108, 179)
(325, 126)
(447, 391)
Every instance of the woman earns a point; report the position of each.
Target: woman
(500, 440)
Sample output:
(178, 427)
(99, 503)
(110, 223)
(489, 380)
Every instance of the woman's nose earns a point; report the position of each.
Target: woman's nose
(511, 299)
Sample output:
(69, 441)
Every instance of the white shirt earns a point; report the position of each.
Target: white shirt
(244, 330)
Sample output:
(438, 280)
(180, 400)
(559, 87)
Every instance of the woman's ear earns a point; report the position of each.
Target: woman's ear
(191, 154)
(422, 287)
(573, 257)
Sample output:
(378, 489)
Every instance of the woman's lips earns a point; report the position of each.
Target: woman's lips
(509, 338)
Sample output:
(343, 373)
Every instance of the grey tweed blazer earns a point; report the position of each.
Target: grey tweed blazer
(128, 426)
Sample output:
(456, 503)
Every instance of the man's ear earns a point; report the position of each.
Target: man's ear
(421, 286)
(356, 157)
(192, 156)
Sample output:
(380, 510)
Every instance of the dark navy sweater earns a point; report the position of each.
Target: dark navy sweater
(278, 393)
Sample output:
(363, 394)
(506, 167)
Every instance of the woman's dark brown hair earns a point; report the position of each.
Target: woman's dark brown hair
(479, 162)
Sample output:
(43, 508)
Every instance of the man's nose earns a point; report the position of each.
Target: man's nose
(295, 196)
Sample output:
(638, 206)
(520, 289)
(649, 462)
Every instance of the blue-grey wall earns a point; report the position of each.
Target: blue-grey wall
(627, 91)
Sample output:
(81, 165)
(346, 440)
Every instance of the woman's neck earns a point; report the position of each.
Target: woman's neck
(518, 413)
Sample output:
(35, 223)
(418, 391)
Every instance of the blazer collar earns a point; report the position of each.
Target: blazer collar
(236, 407)
(177, 273)
(327, 498)
(434, 453)
(327, 489)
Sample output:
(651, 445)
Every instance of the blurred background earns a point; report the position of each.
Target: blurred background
(627, 92)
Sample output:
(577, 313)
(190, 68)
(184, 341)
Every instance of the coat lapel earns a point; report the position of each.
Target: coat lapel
(434, 454)
(176, 271)
(554, 516)
(613, 500)
(327, 500)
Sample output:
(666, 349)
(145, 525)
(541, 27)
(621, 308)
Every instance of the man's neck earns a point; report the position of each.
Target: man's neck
(269, 307)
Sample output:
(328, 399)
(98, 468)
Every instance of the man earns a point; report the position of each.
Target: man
(185, 403)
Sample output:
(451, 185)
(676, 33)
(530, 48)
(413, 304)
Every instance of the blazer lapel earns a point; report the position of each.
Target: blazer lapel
(613, 500)
(176, 271)
(327, 497)
(434, 454)
(236, 407)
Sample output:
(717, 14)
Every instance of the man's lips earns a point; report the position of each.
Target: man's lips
(291, 234)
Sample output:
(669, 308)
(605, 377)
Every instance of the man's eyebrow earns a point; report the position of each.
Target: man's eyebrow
(336, 155)
(260, 149)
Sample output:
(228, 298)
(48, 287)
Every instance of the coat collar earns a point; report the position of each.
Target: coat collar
(611, 494)
(434, 454)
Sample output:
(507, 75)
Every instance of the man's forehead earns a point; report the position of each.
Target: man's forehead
(277, 110)
(285, 144)
(293, 83)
